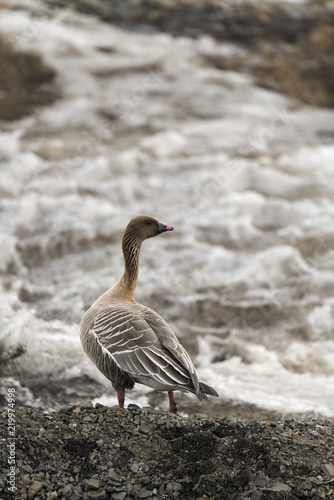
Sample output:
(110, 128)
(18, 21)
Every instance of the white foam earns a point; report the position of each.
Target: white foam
(51, 348)
(166, 144)
(269, 268)
(321, 321)
(265, 382)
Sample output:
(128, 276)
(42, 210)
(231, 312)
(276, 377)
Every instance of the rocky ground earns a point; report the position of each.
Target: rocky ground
(87, 452)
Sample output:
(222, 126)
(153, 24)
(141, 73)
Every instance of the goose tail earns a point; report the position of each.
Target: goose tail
(205, 391)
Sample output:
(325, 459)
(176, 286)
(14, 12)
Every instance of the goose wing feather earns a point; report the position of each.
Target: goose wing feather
(142, 344)
(168, 339)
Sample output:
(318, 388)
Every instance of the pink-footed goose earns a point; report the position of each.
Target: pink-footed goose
(129, 342)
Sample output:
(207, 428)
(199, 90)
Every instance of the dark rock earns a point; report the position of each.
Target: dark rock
(144, 494)
(261, 482)
(34, 488)
(133, 406)
(328, 469)
(293, 43)
(256, 495)
(274, 469)
(113, 476)
(146, 427)
(21, 80)
(97, 495)
(93, 484)
(67, 490)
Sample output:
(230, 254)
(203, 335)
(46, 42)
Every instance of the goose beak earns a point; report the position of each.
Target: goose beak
(163, 228)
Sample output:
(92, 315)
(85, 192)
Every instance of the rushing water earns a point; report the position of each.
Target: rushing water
(146, 125)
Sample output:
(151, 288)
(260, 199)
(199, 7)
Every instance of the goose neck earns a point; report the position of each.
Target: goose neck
(131, 251)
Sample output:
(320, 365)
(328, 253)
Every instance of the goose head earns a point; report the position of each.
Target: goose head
(143, 227)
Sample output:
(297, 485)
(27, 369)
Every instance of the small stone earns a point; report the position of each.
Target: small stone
(132, 406)
(169, 488)
(261, 482)
(146, 427)
(112, 474)
(67, 490)
(114, 488)
(256, 495)
(148, 409)
(34, 488)
(52, 496)
(177, 486)
(87, 419)
(84, 404)
(120, 495)
(306, 485)
(97, 495)
(93, 484)
(29, 469)
(279, 487)
(135, 468)
(315, 480)
(66, 436)
(26, 480)
(65, 408)
(144, 494)
(328, 469)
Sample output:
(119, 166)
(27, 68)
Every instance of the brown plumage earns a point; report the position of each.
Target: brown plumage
(131, 343)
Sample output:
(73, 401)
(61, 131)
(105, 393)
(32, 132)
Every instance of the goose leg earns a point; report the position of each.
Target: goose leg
(172, 403)
(121, 397)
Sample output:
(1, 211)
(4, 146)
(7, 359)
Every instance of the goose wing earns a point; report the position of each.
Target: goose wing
(143, 345)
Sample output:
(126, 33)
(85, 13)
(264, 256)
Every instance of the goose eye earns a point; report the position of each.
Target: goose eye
(148, 222)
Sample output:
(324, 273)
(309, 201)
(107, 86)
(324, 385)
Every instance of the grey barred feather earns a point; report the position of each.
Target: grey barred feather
(142, 344)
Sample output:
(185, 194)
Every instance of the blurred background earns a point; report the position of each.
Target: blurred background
(213, 116)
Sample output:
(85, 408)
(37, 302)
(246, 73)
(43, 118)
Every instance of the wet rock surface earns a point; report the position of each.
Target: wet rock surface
(290, 45)
(26, 82)
(87, 452)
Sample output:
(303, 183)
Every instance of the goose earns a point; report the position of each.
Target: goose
(130, 343)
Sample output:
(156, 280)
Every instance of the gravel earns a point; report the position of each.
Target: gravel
(86, 452)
